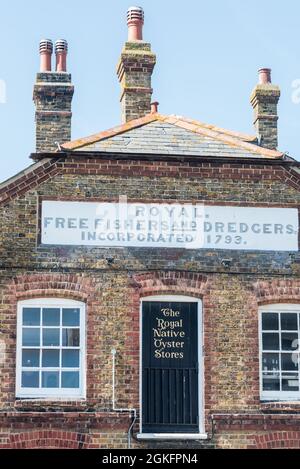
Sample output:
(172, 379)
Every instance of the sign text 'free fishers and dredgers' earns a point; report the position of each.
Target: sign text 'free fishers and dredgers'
(169, 225)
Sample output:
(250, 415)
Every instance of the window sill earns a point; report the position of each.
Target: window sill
(172, 436)
(38, 403)
(280, 406)
(51, 399)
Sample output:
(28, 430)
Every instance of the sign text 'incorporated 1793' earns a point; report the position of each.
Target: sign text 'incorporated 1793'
(187, 226)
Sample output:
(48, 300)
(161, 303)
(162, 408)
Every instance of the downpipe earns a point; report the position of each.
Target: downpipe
(131, 411)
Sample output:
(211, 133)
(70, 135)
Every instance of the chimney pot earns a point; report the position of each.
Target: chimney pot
(154, 107)
(61, 50)
(46, 49)
(135, 21)
(264, 76)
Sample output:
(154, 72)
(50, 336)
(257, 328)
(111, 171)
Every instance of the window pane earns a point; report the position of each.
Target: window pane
(271, 382)
(270, 362)
(70, 358)
(270, 322)
(31, 337)
(289, 341)
(51, 337)
(31, 316)
(290, 382)
(51, 316)
(30, 379)
(70, 337)
(31, 358)
(289, 361)
(271, 341)
(70, 379)
(50, 379)
(70, 317)
(50, 358)
(288, 321)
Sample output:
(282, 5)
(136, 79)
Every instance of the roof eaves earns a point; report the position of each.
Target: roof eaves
(178, 157)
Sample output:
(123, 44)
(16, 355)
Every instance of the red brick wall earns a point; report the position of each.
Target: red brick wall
(112, 294)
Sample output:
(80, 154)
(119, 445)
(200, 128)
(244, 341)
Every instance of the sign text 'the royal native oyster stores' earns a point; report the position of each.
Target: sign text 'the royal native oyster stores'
(169, 225)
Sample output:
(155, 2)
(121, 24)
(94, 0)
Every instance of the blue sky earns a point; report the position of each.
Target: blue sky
(208, 54)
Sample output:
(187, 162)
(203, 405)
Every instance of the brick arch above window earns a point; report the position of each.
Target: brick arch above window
(175, 283)
(278, 440)
(47, 439)
(70, 286)
(277, 291)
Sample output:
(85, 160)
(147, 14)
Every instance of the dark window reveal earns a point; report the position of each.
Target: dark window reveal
(170, 367)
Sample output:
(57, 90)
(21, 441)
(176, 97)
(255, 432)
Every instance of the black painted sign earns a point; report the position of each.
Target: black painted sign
(170, 367)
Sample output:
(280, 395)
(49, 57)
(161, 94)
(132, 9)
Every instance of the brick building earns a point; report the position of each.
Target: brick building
(150, 291)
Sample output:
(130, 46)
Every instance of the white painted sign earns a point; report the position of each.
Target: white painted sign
(169, 225)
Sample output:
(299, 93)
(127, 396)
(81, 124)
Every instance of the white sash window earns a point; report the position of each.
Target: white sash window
(50, 349)
(279, 357)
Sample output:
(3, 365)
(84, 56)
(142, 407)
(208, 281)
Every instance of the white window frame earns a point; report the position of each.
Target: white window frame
(276, 395)
(52, 393)
(177, 436)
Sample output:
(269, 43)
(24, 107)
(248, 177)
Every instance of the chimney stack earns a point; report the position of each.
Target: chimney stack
(264, 100)
(52, 95)
(135, 69)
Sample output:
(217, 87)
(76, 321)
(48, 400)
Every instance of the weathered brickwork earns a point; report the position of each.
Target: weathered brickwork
(134, 71)
(52, 95)
(264, 100)
(234, 415)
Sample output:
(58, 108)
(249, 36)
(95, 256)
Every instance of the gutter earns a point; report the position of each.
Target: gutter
(285, 160)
